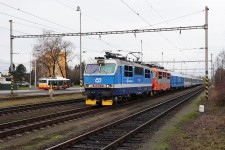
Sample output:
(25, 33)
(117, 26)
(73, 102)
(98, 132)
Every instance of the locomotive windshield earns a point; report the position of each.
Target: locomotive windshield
(100, 68)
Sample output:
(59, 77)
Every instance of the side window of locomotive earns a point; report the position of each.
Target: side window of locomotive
(147, 73)
(168, 76)
(128, 71)
(160, 75)
(138, 71)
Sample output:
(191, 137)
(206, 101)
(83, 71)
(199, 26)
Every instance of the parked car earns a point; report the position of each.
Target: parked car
(23, 84)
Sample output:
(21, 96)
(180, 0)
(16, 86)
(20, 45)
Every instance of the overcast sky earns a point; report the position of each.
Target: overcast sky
(60, 16)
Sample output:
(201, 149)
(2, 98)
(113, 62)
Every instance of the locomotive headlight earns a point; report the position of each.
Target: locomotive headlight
(89, 85)
(108, 85)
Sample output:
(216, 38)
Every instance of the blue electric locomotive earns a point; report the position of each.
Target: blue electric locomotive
(112, 78)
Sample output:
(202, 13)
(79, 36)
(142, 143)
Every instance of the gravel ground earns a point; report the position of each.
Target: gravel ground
(48, 136)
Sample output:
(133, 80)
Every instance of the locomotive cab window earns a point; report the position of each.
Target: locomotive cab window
(107, 68)
(128, 71)
(92, 68)
(100, 68)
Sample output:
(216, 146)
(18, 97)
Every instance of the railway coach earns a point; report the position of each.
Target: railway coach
(161, 79)
(176, 81)
(110, 79)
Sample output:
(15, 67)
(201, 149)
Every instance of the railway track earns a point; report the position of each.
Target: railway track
(25, 125)
(116, 134)
(22, 108)
(21, 126)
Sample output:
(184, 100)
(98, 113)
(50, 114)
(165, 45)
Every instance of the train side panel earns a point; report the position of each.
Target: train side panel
(176, 81)
(160, 80)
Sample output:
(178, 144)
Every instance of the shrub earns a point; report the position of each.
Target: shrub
(219, 96)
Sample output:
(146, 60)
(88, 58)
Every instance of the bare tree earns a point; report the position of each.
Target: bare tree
(66, 47)
(219, 63)
(51, 54)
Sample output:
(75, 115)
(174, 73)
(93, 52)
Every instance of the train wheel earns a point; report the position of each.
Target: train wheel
(115, 100)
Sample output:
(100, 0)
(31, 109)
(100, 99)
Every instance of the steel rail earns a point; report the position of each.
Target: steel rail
(82, 137)
(3, 126)
(43, 121)
(21, 108)
(136, 130)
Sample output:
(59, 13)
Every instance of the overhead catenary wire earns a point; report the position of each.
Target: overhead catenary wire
(28, 21)
(179, 35)
(96, 20)
(36, 16)
(48, 27)
(178, 61)
(149, 24)
(167, 22)
(13, 30)
(45, 29)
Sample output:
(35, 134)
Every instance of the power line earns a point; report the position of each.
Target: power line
(30, 26)
(98, 39)
(149, 24)
(13, 30)
(163, 19)
(85, 14)
(196, 69)
(155, 10)
(28, 21)
(180, 17)
(180, 61)
(35, 16)
(136, 13)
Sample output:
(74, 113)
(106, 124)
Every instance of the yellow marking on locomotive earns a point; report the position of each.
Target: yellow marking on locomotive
(92, 102)
(107, 102)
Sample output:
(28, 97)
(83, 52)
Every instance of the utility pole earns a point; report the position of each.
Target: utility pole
(30, 69)
(141, 51)
(181, 68)
(11, 58)
(206, 54)
(81, 78)
(173, 65)
(35, 74)
(211, 68)
(11, 47)
(221, 71)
